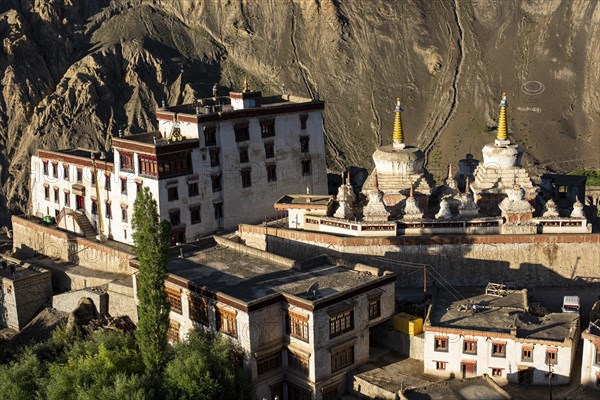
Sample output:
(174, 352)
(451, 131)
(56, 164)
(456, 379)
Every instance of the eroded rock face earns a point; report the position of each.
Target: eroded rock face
(73, 72)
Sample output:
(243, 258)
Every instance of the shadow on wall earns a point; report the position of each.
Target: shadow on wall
(454, 263)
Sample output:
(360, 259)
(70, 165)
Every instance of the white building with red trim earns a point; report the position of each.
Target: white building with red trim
(210, 166)
(471, 333)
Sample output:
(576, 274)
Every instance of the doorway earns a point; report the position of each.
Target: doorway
(469, 369)
(80, 202)
(525, 375)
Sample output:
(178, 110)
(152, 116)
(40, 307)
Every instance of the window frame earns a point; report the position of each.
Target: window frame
(440, 343)
(470, 346)
(304, 144)
(374, 308)
(271, 173)
(269, 149)
(174, 299)
(246, 176)
(173, 193)
(230, 317)
(267, 128)
(210, 132)
(530, 355)
(498, 349)
(268, 362)
(306, 167)
(296, 326)
(194, 221)
(341, 322)
(342, 357)
(244, 155)
(298, 361)
(241, 132)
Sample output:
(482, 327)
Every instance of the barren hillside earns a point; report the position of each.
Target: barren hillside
(72, 72)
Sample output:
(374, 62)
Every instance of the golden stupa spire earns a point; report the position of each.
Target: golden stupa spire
(502, 128)
(398, 137)
(246, 87)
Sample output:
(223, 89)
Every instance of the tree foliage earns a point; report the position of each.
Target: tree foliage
(206, 368)
(152, 239)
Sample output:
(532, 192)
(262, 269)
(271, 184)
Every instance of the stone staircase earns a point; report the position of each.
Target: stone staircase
(84, 223)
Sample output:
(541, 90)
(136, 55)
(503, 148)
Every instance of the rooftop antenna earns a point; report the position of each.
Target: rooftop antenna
(312, 290)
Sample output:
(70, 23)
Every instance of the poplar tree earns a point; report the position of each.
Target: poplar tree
(151, 238)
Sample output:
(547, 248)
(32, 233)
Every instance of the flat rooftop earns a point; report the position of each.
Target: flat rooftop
(86, 154)
(481, 312)
(154, 138)
(494, 313)
(249, 274)
(222, 104)
(304, 200)
(479, 388)
(14, 271)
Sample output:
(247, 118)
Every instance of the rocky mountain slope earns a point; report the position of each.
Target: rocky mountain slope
(72, 72)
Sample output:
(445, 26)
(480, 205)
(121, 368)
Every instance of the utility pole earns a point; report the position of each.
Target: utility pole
(424, 293)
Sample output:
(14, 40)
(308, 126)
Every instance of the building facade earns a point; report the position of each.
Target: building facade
(493, 335)
(212, 165)
(590, 363)
(302, 326)
(24, 289)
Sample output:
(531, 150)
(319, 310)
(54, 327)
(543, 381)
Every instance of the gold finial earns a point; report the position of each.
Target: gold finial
(502, 129)
(246, 87)
(398, 136)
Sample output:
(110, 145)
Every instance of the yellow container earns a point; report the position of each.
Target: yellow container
(408, 324)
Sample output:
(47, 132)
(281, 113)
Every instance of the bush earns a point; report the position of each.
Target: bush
(206, 368)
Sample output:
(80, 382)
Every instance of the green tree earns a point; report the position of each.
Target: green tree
(151, 238)
(206, 368)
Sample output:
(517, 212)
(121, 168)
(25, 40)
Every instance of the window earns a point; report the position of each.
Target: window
(56, 199)
(341, 358)
(124, 216)
(172, 193)
(242, 133)
(108, 209)
(195, 217)
(45, 167)
(304, 144)
(226, 322)
(123, 185)
(216, 183)
(374, 308)
(306, 168)
(297, 361)
(214, 157)
(93, 178)
(66, 171)
(243, 155)
(148, 165)
(527, 354)
(246, 178)
(175, 164)
(193, 189)
(210, 136)
(107, 182)
(138, 187)
(173, 332)
(268, 362)
(269, 150)
(498, 349)
(94, 207)
(198, 309)
(174, 299)
(218, 210)
(440, 365)
(126, 161)
(297, 326)
(341, 323)
(496, 372)
(551, 356)
(271, 173)
(67, 199)
(79, 175)
(440, 343)
(470, 346)
(54, 170)
(174, 217)
(303, 118)
(46, 193)
(267, 128)
(597, 358)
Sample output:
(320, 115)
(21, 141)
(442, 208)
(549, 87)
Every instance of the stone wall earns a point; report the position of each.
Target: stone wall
(31, 237)
(526, 260)
(68, 301)
(121, 300)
